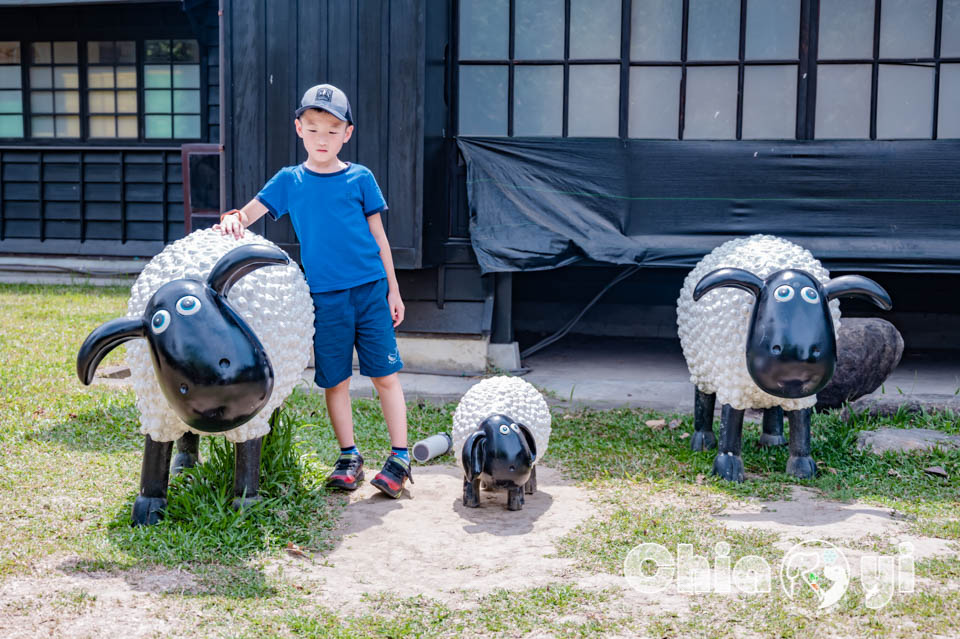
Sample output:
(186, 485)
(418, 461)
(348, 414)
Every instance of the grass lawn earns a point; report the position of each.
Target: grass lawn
(69, 472)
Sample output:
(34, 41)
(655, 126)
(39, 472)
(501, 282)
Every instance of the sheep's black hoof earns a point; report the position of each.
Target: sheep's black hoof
(244, 502)
(471, 493)
(183, 460)
(769, 441)
(729, 467)
(148, 510)
(531, 486)
(515, 498)
(802, 467)
(702, 440)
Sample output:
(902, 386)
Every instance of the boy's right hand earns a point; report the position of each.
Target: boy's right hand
(230, 225)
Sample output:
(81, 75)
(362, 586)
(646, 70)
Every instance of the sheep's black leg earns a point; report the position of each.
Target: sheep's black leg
(800, 464)
(531, 486)
(154, 475)
(188, 452)
(728, 463)
(703, 437)
(471, 493)
(772, 427)
(246, 472)
(515, 498)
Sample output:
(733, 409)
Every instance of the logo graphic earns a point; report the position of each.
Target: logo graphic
(818, 567)
(394, 357)
(325, 94)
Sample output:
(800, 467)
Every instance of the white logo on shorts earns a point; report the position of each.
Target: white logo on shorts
(394, 357)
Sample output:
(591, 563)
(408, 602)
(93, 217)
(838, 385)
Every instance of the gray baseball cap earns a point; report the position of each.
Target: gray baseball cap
(327, 98)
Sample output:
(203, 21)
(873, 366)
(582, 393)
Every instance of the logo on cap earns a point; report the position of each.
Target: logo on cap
(325, 94)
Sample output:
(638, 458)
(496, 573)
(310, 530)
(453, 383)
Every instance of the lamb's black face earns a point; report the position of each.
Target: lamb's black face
(507, 456)
(791, 347)
(210, 365)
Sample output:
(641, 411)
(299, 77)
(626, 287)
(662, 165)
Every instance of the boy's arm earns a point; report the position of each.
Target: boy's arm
(234, 223)
(393, 296)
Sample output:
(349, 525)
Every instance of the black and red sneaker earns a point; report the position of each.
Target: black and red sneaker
(348, 473)
(390, 480)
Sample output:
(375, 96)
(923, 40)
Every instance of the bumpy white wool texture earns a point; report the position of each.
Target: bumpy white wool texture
(713, 332)
(274, 300)
(510, 396)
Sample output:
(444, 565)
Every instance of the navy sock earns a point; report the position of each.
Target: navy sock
(351, 450)
(401, 452)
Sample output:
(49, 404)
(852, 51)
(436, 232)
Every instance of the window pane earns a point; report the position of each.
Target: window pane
(846, 29)
(773, 29)
(186, 126)
(186, 76)
(157, 51)
(538, 30)
(159, 126)
(156, 76)
(484, 29)
(770, 102)
(102, 127)
(655, 27)
(907, 28)
(41, 102)
(126, 52)
(67, 101)
(100, 77)
(40, 53)
(904, 101)
(66, 77)
(126, 127)
(843, 101)
(538, 101)
(41, 77)
(948, 114)
(100, 53)
(654, 102)
(65, 52)
(9, 53)
(68, 126)
(711, 105)
(185, 51)
(483, 100)
(950, 35)
(186, 102)
(158, 101)
(102, 102)
(10, 102)
(42, 126)
(127, 77)
(594, 105)
(10, 77)
(11, 126)
(126, 101)
(594, 29)
(714, 30)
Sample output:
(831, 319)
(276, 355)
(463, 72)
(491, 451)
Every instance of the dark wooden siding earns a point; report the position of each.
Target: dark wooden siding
(371, 49)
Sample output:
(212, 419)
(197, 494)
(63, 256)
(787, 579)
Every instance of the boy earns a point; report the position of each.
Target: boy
(335, 209)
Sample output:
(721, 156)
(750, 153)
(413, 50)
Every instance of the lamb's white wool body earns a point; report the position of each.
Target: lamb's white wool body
(713, 332)
(274, 300)
(509, 396)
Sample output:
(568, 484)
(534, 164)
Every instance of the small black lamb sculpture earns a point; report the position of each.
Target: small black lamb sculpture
(500, 454)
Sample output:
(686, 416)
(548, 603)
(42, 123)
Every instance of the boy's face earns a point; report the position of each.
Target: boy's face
(323, 135)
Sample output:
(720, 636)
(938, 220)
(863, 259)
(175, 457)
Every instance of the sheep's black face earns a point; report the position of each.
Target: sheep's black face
(791, 347)
(211, 367)
(507, 455)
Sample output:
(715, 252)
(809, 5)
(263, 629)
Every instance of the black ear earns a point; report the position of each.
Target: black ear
(531, 442)
(240, 261)
(474, 450)
(858, 286)
(104, 339)
(735, 277)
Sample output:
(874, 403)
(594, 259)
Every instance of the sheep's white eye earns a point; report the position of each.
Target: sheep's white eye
(783, 293)
(515, 428)
(188, 305)
(504, 429)
(809, 295)
(160, 322)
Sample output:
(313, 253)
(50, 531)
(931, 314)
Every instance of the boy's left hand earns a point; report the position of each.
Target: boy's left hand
(396, 307)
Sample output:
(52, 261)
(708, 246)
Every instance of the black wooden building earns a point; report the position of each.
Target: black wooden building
(530, 150)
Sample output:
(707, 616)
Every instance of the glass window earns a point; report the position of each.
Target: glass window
(907, 28)
(171, 89)
(904, 101)
(843, 101)
(950, 33)
(594, 101)
(54, 90)
(483, 100)
(714, 30)
(654, 102)
(711, 105)
(111, 89)
(846, 29)
(11, 95)
(538, 101)
(770, 102)
(484, 29)
(773, 30)
(655, 29)
(538, 27)
(948, 125)
(594, 29)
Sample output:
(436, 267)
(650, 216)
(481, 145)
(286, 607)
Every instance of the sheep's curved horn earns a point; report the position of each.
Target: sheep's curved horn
(104, 339)
(735, 277)
(858, 286)
(240, 261)
(473, 453)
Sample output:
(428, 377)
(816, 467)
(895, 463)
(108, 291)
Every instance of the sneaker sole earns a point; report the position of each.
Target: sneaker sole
(342, 485)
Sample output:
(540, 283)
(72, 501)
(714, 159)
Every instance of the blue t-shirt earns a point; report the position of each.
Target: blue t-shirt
(329, 213)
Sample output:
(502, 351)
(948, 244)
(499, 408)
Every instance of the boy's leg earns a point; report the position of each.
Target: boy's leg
(394, 408)
(341, 413)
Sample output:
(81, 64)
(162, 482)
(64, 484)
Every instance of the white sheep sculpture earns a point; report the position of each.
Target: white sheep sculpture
(770, 345)
(501, 428)
(222, 371)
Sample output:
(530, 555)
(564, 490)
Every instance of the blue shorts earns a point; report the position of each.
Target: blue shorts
(358, 316)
